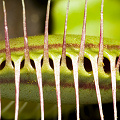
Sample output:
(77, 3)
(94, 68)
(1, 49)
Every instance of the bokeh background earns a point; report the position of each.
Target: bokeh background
(76, 13)
(36, 10)
(35, 13)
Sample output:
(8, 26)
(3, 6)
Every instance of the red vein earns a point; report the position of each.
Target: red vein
(39, 79)
(82, 45)
(64, 37)
(57, 82)
(17, 85)
(46, 56)
(7, 45)
(51, 46)
(82, 85)
(26, 48)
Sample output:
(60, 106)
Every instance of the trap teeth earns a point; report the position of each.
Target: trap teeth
(80, 58)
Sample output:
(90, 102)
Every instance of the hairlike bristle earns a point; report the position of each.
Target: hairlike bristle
(80, 60)
(46, 56)
(57, 66)
(95, 67)
(7, 45)
(45, 61)
(82, 45)
(8, 61)
(76, 61)
(100, 56)
(17, 65)
(98, 63)
(26, 48)
(64, 36)
(38, 65)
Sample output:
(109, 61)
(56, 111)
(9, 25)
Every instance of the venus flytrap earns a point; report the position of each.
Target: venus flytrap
(54, 71)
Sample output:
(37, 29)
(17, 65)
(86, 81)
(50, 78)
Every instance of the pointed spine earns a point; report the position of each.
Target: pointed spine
(82, 45)
(99, 64)
(46, 56)
(100, 56)
(26, 48)
(7, 45)
(80, 60)
(64, 36)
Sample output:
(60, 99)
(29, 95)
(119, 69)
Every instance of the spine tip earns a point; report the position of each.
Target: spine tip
(82, 45)
(100, 55)
(7, 45)
(46, 56)
(64, 36)
(26, 48)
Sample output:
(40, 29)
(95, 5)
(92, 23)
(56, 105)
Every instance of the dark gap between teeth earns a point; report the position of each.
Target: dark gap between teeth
(32, 63)
(68, 63)
(87, 64)
(51, 63)
(116, 63)
(2, 65)
(41, 62)
(22, 64)
(106, 66)
(13, 64)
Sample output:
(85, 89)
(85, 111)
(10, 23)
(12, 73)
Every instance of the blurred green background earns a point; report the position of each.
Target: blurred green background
(76, 13)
